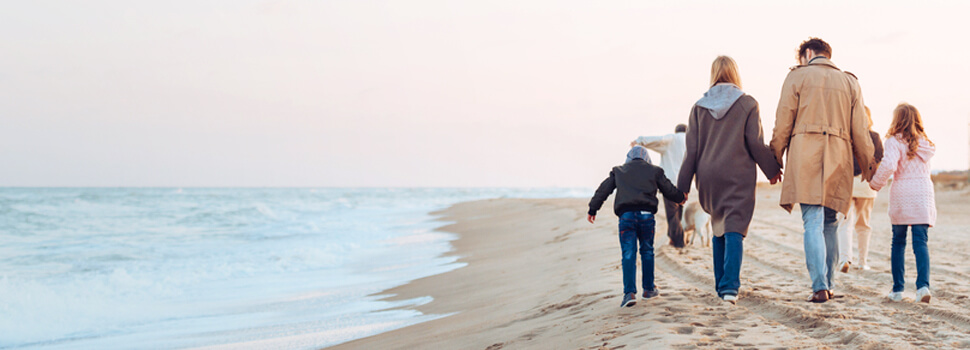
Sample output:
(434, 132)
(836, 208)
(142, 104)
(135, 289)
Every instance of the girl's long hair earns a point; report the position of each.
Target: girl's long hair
(908, 126)
(725, 70)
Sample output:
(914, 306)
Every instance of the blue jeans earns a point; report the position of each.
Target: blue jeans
(898, 257)
(637, 226)
(821, 244)
(728, 250)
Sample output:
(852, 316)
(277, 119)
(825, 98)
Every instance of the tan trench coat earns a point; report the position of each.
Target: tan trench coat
(821, 121)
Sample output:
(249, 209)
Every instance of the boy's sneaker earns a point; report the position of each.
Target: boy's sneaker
(629, 299)
(923, 294)
(731, 298)
(651, 294)
(844, 266)
(895, 296)
(866, 268)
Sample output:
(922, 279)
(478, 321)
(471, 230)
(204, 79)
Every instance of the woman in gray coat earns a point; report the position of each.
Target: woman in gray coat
(724, 142)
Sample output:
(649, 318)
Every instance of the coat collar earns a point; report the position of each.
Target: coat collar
(821, 60)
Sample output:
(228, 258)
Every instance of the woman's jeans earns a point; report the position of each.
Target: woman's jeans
(637, 226)
(821, 244)
(728, 250)
(921, 252)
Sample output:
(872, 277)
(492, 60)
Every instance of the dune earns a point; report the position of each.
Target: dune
(540, 277)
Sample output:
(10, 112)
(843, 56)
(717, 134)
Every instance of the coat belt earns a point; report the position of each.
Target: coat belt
(821, 129)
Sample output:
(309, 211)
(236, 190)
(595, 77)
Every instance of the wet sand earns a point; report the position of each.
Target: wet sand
(540, 276)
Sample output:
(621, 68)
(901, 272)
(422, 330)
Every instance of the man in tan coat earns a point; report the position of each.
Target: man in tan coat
(821, 121)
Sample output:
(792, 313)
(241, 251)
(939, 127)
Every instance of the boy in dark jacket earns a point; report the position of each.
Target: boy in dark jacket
(636, 183)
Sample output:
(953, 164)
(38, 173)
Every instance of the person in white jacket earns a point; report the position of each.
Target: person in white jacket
(860, 210)
(672, 148)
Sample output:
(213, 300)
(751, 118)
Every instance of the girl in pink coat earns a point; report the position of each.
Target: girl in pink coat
(911, 199)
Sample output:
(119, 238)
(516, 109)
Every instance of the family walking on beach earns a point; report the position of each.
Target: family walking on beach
(834, 166)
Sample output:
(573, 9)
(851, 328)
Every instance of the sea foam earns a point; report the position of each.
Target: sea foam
(230, 268)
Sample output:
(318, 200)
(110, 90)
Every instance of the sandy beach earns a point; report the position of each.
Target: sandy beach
(540, 277)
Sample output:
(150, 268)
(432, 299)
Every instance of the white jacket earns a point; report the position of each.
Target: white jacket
(860, 189)
(671, 147)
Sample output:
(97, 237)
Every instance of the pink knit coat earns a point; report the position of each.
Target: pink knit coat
(911, 198)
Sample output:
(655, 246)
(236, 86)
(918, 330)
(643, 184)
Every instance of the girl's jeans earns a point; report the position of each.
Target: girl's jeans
(898, 257)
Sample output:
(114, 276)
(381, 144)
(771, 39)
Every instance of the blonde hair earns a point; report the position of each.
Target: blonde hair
(725, 70)
(869, 114)
(908, 126)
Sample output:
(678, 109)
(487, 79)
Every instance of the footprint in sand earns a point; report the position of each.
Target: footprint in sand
(684, 330)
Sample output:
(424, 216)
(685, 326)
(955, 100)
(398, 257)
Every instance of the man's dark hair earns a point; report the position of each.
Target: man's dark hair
(680, 128)
(815, 44)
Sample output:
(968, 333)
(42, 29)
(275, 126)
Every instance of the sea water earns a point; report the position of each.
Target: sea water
(95, 268)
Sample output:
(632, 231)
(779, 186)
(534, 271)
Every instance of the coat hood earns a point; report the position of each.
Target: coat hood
(637, 152)
(719, 99)
(925, 150)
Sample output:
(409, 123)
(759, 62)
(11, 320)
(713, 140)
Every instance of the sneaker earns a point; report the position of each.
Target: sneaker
(731, 298)
(923, 295)
(895, 296)
(651, 293)
(845, 266)
(866, 268)
(629, 299)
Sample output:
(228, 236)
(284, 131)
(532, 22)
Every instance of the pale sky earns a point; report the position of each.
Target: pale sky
(425, 93)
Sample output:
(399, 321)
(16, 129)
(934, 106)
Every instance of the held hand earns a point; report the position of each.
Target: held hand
(590, 218)
(633, 143)
(776, 179)
(871, 173)
(686, 194)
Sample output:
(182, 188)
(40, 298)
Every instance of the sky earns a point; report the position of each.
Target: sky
(425, 93)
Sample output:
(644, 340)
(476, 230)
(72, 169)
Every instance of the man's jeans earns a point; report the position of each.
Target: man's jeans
(728, 250)
(821, 244)
(898, 256)
(637, 226)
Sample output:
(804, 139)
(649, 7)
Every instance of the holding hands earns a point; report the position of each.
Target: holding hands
(777, 178)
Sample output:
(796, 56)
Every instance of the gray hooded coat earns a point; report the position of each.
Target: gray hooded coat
(725, 143)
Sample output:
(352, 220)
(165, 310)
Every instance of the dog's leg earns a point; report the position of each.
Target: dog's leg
(710, 232)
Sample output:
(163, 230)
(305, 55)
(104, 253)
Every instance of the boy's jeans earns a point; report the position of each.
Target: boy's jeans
(637, 226)
(898, 256)
(728, 250)
(821, 244)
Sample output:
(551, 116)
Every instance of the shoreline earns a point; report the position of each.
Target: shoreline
(539, 276)
(481, 238)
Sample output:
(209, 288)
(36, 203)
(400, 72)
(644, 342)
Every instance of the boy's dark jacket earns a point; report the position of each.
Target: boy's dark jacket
(636, 185)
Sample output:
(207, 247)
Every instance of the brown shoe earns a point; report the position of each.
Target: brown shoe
(820, 296)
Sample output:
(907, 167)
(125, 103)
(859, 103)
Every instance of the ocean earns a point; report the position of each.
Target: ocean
(293, 268)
